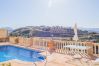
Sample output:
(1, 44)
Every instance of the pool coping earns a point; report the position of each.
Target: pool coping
(20, 61)
(18, 45)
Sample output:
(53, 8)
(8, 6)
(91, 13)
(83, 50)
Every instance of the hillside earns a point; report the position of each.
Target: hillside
(46, 31)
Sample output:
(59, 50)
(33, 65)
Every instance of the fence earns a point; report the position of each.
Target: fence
(58, 44)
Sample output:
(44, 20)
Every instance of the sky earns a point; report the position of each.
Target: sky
(20, 13)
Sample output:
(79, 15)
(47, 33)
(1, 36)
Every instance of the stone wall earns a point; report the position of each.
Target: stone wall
(3, 35)
(13, 40)
(25, 41)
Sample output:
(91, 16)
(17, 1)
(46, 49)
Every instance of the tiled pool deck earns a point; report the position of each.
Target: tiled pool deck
(54, 59)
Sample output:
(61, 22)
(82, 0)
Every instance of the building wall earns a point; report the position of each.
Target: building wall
(96, 49)
(3, 33)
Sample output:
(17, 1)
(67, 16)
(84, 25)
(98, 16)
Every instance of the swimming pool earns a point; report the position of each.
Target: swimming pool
(8, 52)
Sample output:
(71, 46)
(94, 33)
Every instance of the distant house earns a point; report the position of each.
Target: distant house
(3, 34)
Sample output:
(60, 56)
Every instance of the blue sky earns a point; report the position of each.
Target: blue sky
(19, 13)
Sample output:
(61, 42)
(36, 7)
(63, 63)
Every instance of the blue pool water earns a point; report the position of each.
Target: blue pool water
(8, 52)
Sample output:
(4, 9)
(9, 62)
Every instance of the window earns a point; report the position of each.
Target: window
(96, 49)
(79, 50)
(93, 49)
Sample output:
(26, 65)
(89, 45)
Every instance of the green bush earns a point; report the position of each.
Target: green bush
(3, 64)
(8, 64)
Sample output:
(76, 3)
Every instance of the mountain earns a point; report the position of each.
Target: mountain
(46, 31)
(91, 29)
(29, 31)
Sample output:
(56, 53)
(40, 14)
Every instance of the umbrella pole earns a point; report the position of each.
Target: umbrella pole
(46, 57)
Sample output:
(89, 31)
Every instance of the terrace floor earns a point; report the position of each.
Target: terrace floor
(54, 59)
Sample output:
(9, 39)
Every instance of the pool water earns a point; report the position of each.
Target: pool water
(9, 52)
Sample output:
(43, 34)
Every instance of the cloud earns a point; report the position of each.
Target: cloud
(50, 3)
